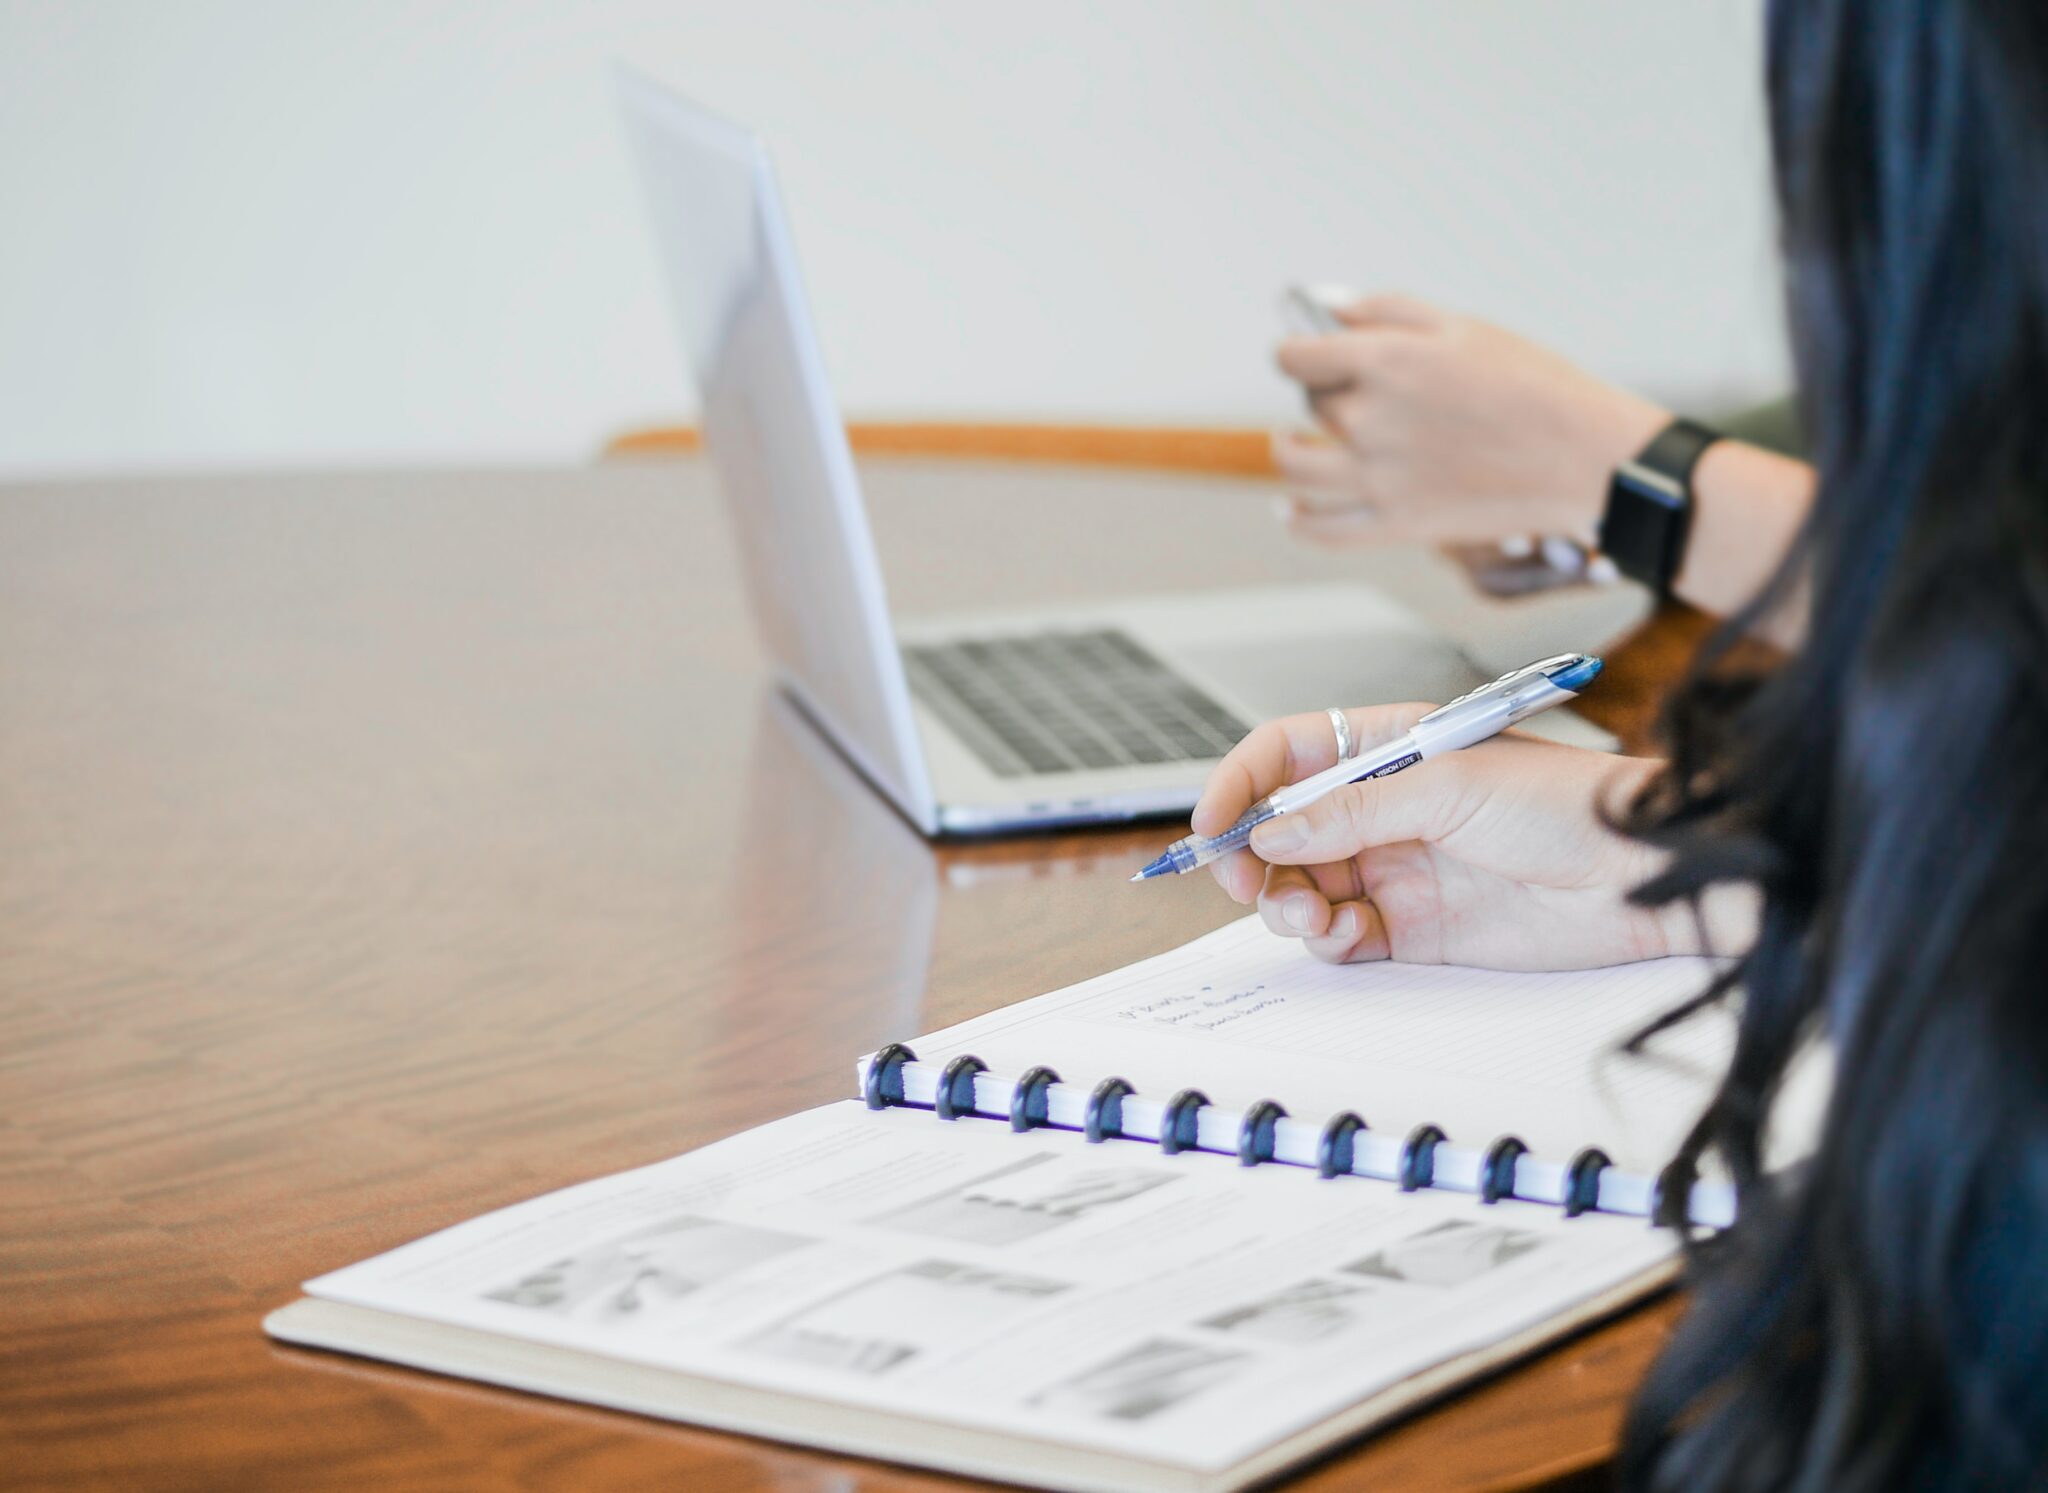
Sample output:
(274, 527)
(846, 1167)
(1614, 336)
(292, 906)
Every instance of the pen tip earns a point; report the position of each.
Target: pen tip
(1139, 877)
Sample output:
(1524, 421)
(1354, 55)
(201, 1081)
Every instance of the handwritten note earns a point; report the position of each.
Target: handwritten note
(1203, 1010)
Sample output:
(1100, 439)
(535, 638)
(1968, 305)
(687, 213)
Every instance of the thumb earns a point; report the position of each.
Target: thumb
(1426, 802)
(1320, 362)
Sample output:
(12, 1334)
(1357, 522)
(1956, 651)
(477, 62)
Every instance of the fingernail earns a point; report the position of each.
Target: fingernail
(1280, 835)
(1345, 924)
(1294, 912)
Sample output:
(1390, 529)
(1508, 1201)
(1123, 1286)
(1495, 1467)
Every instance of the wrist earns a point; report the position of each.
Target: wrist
(1616, 429)
(1721, 923)
(1647, 528)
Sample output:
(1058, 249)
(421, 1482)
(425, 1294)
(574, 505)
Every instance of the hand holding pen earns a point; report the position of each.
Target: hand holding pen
(1496, 855)
(1472, 717)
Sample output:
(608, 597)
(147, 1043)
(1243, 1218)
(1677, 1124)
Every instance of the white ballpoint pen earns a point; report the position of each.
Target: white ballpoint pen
(1467, 720)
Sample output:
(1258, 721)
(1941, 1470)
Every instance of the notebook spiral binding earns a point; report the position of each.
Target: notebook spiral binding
(1343, 1146)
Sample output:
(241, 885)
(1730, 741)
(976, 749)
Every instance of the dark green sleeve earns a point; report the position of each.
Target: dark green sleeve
(1773, 426)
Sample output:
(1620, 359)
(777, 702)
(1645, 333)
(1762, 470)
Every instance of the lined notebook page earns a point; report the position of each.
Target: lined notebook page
(1244, 1015)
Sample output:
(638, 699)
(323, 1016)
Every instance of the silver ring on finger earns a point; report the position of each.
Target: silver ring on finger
(1346, 748)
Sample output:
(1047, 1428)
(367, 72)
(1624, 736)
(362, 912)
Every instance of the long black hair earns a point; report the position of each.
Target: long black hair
(1879, 1317)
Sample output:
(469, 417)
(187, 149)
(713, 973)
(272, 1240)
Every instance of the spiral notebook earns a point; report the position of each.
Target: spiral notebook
(1179, 1227)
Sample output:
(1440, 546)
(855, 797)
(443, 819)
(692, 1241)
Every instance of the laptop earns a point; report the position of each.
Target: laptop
(970, 725)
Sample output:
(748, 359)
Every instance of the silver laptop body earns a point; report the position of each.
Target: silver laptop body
(969, 724)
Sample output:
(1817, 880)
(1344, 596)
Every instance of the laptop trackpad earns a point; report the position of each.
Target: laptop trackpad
(1283, 675)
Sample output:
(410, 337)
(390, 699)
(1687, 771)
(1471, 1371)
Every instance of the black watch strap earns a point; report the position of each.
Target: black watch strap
(1649, 505)
(1677, 448)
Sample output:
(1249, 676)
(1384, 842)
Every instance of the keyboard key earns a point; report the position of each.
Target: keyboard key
(1067, 701)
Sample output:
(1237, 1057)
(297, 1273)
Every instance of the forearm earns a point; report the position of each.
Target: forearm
(1748, 505)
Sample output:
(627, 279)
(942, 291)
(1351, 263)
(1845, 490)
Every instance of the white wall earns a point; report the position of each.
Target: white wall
(252, 232)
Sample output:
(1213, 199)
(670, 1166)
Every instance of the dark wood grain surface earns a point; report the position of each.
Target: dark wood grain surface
(377, 850)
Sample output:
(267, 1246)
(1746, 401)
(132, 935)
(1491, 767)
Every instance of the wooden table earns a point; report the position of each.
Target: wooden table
(377, 850)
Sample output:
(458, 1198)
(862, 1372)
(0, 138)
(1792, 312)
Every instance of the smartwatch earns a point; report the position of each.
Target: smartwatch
(1649, 505)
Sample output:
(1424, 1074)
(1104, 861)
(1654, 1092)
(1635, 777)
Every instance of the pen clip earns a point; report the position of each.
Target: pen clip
(1503, 685)
(1512, 676)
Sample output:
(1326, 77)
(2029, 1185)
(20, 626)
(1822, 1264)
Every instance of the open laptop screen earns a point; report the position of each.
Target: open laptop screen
(773, 435)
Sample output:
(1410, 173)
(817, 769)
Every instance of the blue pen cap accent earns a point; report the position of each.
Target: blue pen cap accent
(1577, 675)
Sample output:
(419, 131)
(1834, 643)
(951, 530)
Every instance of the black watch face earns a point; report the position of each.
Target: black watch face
(1645, 525)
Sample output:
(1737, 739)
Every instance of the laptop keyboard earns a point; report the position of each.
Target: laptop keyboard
(1068, 702)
